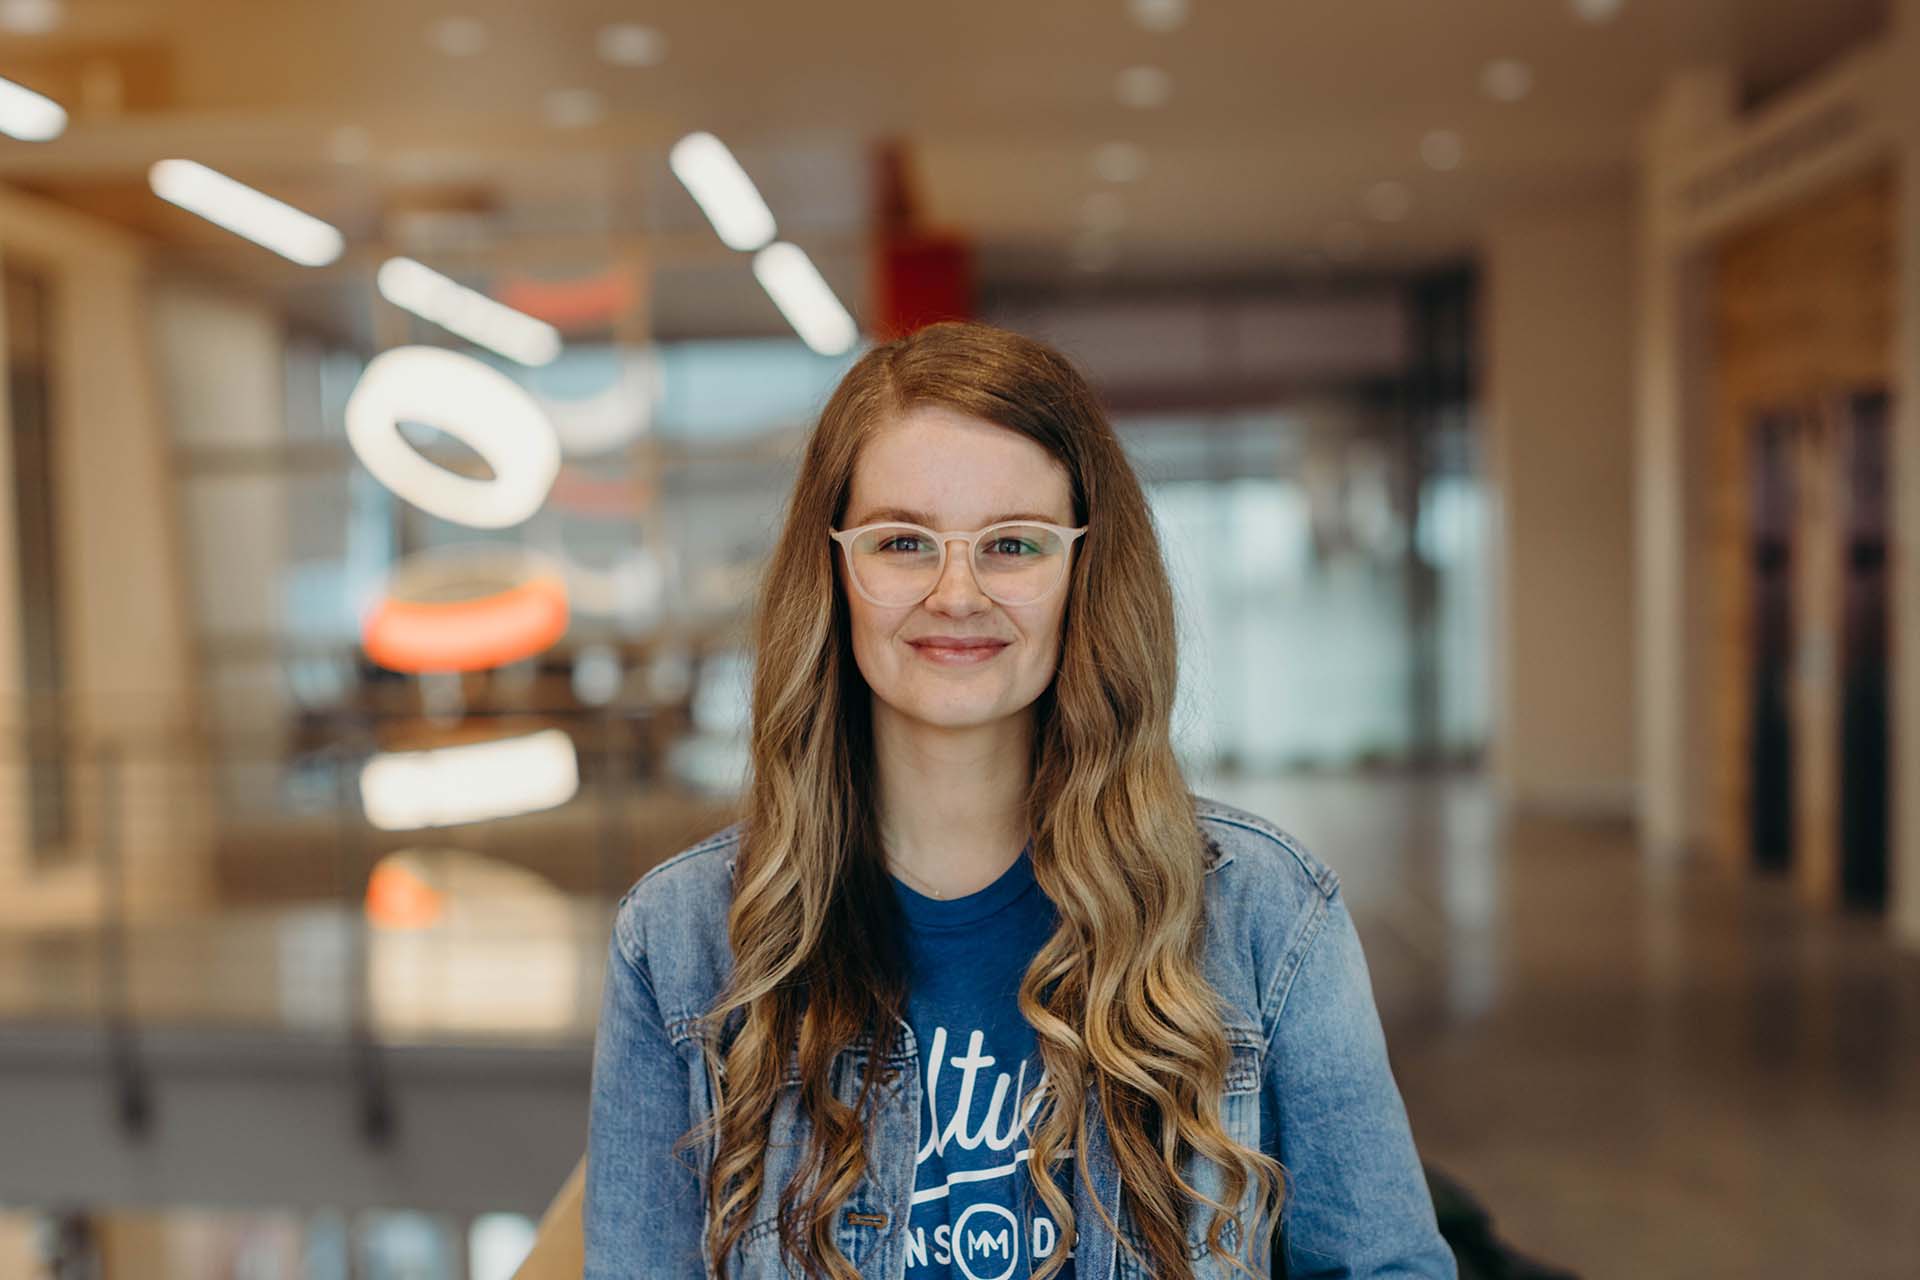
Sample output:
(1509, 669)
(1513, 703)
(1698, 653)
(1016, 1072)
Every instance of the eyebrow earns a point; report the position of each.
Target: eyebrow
(920, 517)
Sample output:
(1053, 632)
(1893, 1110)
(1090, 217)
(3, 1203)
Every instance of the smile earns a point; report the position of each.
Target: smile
(955, 656)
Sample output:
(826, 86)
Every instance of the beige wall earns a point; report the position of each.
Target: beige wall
(1559, 460)
(128, 663)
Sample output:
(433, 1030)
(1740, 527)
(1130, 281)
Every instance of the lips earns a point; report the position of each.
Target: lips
(957, 649)
(958, 644)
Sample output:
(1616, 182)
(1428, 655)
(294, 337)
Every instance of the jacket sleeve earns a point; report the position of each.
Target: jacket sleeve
(642, 1216)
(1357, 1200)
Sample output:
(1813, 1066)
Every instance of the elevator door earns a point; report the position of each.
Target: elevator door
(1770, 743)
(1864, 799)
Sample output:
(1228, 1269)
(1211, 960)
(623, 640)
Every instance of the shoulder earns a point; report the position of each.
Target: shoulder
(679, 896)
(1263, 851)
(1268, 897)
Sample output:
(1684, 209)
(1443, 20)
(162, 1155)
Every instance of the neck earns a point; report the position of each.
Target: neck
(953, 809)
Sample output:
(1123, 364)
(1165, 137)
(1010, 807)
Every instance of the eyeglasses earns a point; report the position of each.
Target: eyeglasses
(1015, 563)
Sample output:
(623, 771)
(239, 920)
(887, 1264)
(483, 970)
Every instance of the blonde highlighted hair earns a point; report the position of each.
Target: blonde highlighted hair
(1117, 995)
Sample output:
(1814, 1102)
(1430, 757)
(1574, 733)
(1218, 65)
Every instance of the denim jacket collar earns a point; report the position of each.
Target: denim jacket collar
(1220, 857)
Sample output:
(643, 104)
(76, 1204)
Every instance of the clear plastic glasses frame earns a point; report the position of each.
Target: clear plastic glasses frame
(845, 538)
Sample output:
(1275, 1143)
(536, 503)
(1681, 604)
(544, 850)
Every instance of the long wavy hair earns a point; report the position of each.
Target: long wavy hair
(1117, 996)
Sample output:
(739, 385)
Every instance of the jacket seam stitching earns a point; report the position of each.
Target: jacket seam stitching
(726, 834)
(641, 970)
(626, 918)
(1324, 879)
(1280, 990)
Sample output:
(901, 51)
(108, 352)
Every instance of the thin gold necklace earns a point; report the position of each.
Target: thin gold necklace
(918, 882)
(922, 884)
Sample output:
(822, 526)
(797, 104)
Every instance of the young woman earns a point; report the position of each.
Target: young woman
(977, 987)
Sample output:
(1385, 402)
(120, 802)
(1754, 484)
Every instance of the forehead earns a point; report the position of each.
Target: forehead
(960, 470)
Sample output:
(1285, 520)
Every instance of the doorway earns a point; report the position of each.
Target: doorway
(1864, 796)
(1770, 621)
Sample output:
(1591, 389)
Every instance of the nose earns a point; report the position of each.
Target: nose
(957, 592)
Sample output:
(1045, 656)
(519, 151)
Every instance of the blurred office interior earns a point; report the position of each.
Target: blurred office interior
(402, 399)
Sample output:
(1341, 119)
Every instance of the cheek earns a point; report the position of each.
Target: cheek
(1044, 633)
(860, 625)
(871, 631)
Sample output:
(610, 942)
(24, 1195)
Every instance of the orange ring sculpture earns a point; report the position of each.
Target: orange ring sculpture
(406, 633)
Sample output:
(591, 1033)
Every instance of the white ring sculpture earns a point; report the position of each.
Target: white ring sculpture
(471, 401)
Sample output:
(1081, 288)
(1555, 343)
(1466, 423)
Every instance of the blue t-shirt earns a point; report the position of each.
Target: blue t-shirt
(976, 1215)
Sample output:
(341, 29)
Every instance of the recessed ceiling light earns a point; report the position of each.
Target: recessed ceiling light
(422, 164)
(1388, 201)
(458, 37)
(1119, 161)
(574, 108)
(1104, 211)
(1093, 252)
(1506, 79)
(1598, 10)
(1158, 15)
(30, 17)
(1143, 86)
(349, 144)
(629, 44)
(1346, 241)
(1442, 150)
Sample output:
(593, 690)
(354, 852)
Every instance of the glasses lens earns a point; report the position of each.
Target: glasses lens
(894, 563)
(1019, 563)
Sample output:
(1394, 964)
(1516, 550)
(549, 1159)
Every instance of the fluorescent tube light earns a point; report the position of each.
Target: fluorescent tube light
(258, 217)
(474, 782)
(804, 298)
(474, 316)
(723, 190)
(29, 116)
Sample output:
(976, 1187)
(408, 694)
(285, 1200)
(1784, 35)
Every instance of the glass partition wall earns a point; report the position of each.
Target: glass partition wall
(1326, 538)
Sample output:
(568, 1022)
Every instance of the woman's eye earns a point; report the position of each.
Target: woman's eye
(894, 543)
(1011, 546)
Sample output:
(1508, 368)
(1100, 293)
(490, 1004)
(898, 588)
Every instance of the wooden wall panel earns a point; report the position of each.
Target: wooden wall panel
(1802, 311)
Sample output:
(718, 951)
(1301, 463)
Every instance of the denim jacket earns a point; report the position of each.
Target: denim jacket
(1309, 1061)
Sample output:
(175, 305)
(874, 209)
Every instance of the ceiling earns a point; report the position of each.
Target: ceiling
(1266, 157)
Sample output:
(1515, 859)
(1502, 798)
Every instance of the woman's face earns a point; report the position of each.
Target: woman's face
(944, 469)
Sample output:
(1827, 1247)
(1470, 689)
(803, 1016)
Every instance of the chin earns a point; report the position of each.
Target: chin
(955, 715)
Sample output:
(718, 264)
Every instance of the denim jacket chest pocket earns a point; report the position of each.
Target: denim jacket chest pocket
(1240, 1117)
(867, 1216)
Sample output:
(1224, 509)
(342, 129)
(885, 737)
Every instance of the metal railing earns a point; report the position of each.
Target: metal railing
(221, 882)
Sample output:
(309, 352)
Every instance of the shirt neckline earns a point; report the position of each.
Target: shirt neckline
(926, 913)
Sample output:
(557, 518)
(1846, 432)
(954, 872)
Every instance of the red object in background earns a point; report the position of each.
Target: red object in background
(922, 279)
(919, 276)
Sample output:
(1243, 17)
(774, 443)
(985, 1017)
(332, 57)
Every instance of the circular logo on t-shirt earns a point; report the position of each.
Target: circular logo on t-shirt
(986, 1242)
